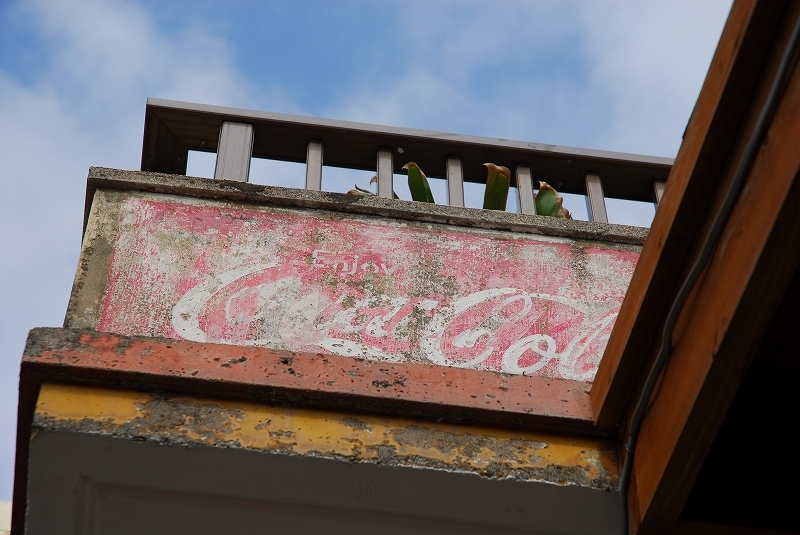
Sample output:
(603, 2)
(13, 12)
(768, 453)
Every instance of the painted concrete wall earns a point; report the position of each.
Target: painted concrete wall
(5, 517)
(318, 281)
(398, 442)
(130, 463)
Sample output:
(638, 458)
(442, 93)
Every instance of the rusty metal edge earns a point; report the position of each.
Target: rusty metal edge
(226, 190)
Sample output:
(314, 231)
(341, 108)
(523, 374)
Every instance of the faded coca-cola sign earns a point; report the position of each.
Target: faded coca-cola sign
(384, 290)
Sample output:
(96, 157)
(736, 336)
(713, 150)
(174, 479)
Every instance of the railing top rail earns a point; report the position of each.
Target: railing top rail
(173, 127)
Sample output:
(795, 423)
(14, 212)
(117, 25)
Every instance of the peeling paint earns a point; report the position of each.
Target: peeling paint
(455, 394)
(491, 453)
(363, 287)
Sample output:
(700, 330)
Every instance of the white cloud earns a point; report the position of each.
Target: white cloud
(118, 42)
(644, 64)
(406, 101)
(649, 59)
(639, 71)
(464, 58)
(86, 109)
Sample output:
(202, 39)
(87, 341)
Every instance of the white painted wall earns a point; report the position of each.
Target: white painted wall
(5, 518)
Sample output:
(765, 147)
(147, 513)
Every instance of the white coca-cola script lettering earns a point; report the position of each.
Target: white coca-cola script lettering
(360, 287)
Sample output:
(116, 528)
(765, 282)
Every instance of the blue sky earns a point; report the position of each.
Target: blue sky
(75, 74)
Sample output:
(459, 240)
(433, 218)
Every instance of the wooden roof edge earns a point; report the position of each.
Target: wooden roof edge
(752, 261)
(693, 188)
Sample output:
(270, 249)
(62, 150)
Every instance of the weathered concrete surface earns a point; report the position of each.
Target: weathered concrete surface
(306, 380)
(336, 416)
(317, 281)
(227, 190)
(490, 453)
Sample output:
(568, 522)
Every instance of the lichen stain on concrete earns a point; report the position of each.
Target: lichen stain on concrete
(486, 452)
(355, 423)
(195, 420)
(93, 265)
(468, 446)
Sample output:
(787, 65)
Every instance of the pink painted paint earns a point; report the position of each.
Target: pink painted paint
(360, 287)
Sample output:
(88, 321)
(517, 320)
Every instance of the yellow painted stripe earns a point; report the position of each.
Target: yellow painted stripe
(77, 403)
(304, 431)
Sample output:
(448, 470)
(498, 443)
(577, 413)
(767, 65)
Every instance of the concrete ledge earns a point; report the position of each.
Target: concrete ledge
(100, 177)
(286, 378)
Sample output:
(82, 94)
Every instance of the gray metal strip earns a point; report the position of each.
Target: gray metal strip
(525, 190)
(595, 201)
(314, 165)
(234, 151)
(385, 173)
(455, 181)
(658, 189)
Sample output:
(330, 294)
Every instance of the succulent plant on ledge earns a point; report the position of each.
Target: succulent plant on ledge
(549, 202)
(418, 184)
(498, 183)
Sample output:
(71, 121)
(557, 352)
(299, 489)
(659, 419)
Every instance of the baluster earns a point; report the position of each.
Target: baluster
(525, 190)
(658, 190)
(385, 173)
(234, 151)
(455, 181)
(314, 165)
(595, 201)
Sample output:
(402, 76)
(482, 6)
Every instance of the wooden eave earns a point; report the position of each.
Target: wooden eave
(723, 322)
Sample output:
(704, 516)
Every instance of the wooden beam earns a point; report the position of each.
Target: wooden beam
(693, 185)
(732, 306)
